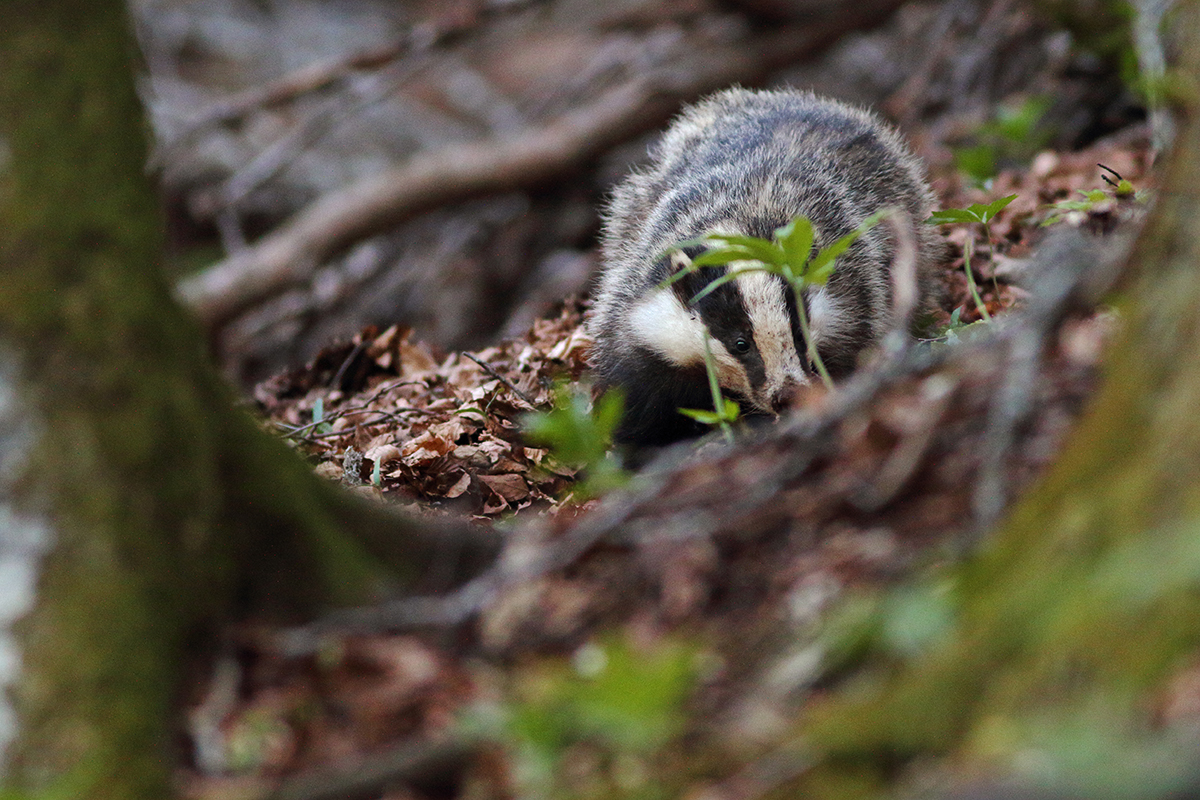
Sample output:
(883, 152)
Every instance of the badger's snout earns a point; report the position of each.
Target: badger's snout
(784, 397)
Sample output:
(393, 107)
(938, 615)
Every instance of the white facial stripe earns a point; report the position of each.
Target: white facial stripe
(765, 303)
(662, 323)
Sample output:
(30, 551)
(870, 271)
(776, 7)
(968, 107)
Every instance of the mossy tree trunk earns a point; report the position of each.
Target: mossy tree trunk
(165, 511)
(1088, 598)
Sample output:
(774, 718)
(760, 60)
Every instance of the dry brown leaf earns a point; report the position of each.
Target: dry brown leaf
(511, 487)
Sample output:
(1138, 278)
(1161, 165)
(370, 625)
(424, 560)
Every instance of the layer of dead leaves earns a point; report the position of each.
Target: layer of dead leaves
(444, 430)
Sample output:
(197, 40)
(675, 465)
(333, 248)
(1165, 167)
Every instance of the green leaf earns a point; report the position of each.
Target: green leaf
(700, 415)
(988, 212)
(318, 412)
(976, 212)
(822, 266)
(607, 412)
(819, 274)
(679, 274)
(729, 413)
(1018, 123)
(796, 240)
(915, 617)
(755, 248)
(579, 436)
(951, 215)
(722, 256)
(828, 254)
(610, 694)
(978, 162)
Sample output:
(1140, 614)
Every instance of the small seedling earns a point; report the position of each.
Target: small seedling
(788, 254)
(580, 435)
(1119, 189)
(974, 213)
(956, 331)
(320, 426)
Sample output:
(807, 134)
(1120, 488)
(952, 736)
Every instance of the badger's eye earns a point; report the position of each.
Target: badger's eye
(742, 346)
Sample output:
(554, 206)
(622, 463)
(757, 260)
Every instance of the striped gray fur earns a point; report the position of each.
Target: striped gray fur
(749, 162)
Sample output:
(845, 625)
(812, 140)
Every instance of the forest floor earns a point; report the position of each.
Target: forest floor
(443, 433)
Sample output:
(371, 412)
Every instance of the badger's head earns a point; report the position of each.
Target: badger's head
(752, 328)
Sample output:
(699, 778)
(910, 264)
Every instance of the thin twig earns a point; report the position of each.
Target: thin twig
(309, 78)
(300, 432)
(490, 371)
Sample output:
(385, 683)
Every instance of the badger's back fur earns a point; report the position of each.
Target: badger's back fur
(749, 162)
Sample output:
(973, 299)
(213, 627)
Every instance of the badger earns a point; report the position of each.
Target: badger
(749, 162)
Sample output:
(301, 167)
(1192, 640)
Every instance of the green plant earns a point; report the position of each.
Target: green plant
(968, 250)
(983, 215)
(1118, 190)
(956, 330)
(789, 254)
(613, 703)
(580, 434)
(1015, 133)
(320, 426)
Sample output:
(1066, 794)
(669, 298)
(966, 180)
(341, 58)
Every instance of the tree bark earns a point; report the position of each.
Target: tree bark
(166, 510)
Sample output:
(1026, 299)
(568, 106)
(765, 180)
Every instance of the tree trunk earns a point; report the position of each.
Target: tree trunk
(160, 509)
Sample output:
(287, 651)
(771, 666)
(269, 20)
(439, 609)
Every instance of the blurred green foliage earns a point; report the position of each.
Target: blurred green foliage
(590, 726)
(1015, 134)
(579, 435)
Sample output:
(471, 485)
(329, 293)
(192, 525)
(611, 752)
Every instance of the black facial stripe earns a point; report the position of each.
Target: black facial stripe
(725, 315)
(723, 311)
(789, 297)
